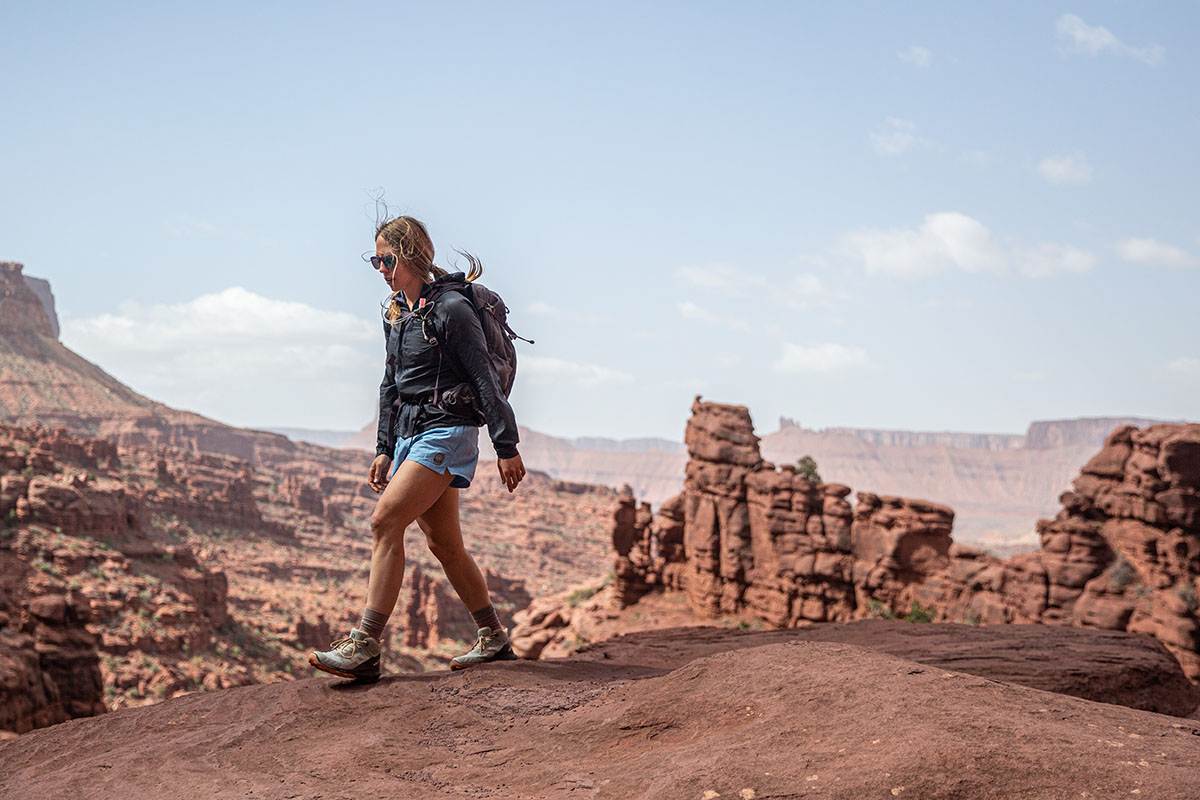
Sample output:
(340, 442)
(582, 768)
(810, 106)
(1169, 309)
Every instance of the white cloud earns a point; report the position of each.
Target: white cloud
(950, 239)
(1066, 169)
(720, 277)
(916, 55)
(691, 311)
(234, 317)
(820, 357)
(544, 369)
(1185, 366)
(241, 357)
(1046, 259)
(896, 136)
(1154, 252)
(1079, 37)
(945, 239)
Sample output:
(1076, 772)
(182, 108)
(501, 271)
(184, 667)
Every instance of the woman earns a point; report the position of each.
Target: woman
(438, 388)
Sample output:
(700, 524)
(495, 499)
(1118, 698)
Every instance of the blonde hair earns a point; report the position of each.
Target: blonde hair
(409, 240)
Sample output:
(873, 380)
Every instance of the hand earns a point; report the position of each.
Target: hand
(377, 478)
(512, 470)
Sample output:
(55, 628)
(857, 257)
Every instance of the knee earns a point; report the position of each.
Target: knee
(386, 528)
(443, 553)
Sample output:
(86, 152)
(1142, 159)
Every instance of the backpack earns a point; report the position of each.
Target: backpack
(493, 316)
(499, 336)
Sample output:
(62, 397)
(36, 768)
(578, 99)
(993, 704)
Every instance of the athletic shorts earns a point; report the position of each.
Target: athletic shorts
(453, 450)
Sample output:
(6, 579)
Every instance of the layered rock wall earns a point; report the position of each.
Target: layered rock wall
(748, 537)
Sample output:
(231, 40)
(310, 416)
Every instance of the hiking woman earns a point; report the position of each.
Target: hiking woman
(438, 388)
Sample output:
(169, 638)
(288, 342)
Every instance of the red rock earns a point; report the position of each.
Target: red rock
(801, 717)
(1124, 553)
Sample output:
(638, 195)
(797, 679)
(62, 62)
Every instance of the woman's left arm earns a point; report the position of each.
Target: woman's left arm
(464, 338)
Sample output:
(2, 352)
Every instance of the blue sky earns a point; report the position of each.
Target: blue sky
(930, 216)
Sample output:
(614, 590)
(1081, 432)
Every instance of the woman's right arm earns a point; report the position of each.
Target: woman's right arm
(377, 476)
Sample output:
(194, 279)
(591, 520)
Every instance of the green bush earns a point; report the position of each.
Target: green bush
(579, 595)
(807, 467)
(918, 614)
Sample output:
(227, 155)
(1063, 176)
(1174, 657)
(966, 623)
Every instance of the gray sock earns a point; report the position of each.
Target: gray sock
(487, 618)
(372, 623)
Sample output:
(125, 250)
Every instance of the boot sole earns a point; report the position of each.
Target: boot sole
(314, 661)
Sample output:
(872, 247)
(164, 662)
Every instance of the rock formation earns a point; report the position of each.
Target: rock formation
(21, 311)
(1122, 554)
(49, 665)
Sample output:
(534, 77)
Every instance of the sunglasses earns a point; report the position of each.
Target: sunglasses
(388, 261)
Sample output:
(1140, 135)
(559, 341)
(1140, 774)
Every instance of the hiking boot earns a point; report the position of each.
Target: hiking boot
(492, 645)
(355, 656)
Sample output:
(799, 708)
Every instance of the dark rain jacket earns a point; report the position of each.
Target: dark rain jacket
(438, 371)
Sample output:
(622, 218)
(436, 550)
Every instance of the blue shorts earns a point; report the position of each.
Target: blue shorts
(453, 450)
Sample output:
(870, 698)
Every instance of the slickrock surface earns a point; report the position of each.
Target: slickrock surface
(1106, 666)
(797, 719)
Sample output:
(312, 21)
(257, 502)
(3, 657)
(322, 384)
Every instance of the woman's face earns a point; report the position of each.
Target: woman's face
(392, 275)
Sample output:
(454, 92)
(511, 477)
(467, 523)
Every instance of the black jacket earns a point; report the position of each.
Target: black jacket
(432, 350)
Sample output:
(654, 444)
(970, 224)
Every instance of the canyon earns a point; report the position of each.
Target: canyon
(163, 575)
(147, 553)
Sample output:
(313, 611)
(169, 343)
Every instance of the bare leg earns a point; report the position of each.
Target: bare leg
(410, 493)
(443, 534)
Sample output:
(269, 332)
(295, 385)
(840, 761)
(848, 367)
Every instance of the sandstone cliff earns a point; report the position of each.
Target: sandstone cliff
(748, 538)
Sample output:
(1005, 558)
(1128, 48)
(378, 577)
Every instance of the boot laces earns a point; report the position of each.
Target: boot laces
(485, 640)
(347, 646)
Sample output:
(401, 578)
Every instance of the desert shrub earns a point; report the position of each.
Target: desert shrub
(807, 467)
(1187, 593)
(972, 617)
(919, 614)
(1121, 574)
(877, 610)
(579, 595)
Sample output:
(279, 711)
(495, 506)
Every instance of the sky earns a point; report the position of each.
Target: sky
(933, 216)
